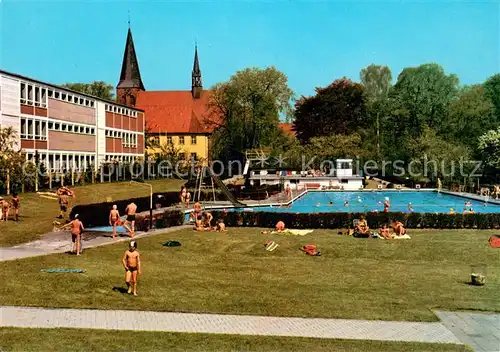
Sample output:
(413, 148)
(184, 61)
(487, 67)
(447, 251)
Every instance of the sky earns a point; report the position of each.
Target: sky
(312, 42)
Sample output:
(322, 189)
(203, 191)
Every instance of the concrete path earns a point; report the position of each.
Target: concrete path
(479, 331)
(60, 242)
(226, 324)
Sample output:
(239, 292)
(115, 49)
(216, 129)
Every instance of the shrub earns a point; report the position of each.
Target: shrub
(345, 220)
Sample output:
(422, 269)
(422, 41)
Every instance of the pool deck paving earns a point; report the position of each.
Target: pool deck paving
(60, 242)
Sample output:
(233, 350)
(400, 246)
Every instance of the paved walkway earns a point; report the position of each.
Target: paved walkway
(59, 242)
(227, 324)
(480, 331)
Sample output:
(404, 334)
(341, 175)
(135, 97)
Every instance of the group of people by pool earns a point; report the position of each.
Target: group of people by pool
(363, 230)
(203, 220)
(6, 206)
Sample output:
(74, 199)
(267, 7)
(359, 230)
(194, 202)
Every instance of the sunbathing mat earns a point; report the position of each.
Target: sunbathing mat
(293, 232)
(404, 237)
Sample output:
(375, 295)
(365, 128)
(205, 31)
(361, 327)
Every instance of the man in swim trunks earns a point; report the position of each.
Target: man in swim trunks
(132, 263)
(130, 211)
(76, 232)
(15, 204)
(4, 205)
(114, 216)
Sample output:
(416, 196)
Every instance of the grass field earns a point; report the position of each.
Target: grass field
(37, 213)
(67, 340)
(232, 273)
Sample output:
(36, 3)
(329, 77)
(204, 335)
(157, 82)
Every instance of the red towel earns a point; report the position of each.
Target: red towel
(495, 241)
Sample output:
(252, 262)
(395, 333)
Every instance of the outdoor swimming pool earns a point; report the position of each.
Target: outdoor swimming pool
(361, 202)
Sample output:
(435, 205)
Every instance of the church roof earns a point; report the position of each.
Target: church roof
(175, 111)
(130, 76)
(288, 128)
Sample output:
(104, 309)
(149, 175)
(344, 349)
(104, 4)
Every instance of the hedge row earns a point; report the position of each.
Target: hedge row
(97, 214)
(345, 220)
(161, 220)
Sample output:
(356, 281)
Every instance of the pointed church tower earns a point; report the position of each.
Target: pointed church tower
(196, 86)
(130, 78)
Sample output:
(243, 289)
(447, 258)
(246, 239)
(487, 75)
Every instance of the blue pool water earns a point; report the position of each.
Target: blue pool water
(119, 229)
(422, 202)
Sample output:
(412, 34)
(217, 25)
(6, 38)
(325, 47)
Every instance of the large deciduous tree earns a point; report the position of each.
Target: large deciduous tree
(377, 80)
(422, 95)
(492, 87)
(489, 146)
(98, 89)
(245, 111)
(336, 109)
(469, 116)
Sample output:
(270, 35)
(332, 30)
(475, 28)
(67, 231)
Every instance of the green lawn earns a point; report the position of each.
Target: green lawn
(67, 340)
(232, 273)
(37, 213)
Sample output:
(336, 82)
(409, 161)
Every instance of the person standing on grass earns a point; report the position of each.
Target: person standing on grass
(76, 233)
(16, 204)
(130, 211)
(4, 206)
(131, 261)
(64, 194)
(114, 216)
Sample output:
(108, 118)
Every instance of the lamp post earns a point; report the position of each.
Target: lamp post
(150, 201)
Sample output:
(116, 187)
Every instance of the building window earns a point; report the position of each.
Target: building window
(23, 128)
(57, 126)
(181, 140)
(24, 93)
(193, 140)
(193, 156)
(155, 140)
(37, 130)
(30, 95)
(170, 141)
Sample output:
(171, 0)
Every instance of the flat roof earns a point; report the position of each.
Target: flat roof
(68, 90)
(306, 178)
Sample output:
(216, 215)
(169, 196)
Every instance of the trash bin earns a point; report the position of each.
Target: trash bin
(478, 274)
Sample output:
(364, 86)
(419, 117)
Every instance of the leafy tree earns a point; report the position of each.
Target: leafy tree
(98, 89)
(11, 159)
(469, 116)
(443, 158)
(336, 109)
(377, 81)
(492, 87)
(245, 111)
(489, 145)
(421, 96)
(324, 149)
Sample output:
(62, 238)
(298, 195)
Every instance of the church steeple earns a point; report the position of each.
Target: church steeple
(130, 78)
(196, 85)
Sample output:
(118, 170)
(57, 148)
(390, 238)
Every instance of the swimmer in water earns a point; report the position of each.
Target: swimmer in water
(346, 203)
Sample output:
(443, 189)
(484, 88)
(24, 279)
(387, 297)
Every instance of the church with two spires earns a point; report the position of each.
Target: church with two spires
(176, 117)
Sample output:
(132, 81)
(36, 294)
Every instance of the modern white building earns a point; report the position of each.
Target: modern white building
(68, 129)
(342, 178)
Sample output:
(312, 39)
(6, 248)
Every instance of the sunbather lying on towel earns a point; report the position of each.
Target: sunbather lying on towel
(280, 226)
